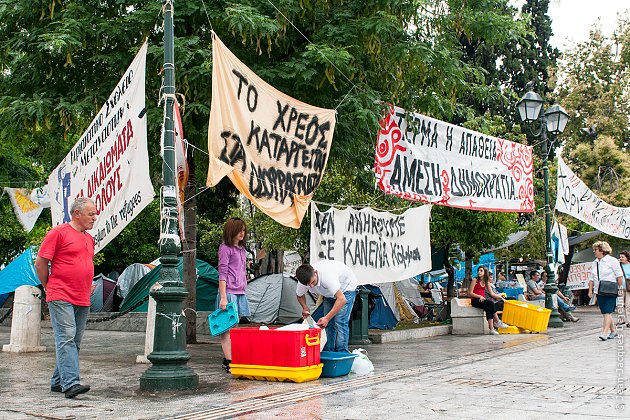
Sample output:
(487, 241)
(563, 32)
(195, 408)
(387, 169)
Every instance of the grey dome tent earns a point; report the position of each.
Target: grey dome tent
(272, 300)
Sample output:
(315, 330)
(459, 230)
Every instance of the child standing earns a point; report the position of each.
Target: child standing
(232, 277)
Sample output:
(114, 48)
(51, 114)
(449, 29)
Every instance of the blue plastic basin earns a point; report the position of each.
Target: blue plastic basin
(336, 363)
(220, 321)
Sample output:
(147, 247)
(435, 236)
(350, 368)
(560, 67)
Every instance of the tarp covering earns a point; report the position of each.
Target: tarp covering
(129, 277)
(207, 287)
(272, 300)
(104, 287)
(20, 272)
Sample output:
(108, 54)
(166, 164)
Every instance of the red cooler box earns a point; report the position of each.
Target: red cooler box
(272, 347)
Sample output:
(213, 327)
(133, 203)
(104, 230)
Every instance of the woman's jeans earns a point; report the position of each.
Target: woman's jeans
(68, 323)
(338, 329)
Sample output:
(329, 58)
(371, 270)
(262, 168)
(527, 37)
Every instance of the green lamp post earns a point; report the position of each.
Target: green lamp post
(169, 370)
(553, 120)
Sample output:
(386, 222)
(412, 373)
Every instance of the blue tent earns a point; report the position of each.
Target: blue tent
(381, 316)
(20, 272)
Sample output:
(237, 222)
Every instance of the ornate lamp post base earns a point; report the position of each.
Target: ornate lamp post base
(168, 369)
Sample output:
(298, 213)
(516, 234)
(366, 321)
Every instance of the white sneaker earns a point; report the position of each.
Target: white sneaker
(494, 332)
(502, 324)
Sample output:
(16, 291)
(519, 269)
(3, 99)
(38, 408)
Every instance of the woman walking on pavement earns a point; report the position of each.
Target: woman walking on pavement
(232, 277)
(607, 272)
(624, 260)
(477, 292)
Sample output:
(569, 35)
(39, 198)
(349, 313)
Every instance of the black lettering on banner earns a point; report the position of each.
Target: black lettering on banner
(417, 176)
(128, 207)
(274, 183)
(252, 93)
(233, 151)
(468, 183)
(449, 138)
(325, 222)
(477, 146)
(363, 223)
(365, 252)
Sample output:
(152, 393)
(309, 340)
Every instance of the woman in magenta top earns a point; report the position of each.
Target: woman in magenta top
(477, 293)
(232, 277)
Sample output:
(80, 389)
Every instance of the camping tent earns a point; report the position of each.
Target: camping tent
(130, 276)
(272, 299)
(100, 299)
(207, 286)
(20, 272)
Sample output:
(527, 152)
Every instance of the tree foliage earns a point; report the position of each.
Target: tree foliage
(60, 60)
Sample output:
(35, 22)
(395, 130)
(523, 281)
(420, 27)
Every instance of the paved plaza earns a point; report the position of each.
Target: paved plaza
(566, 373)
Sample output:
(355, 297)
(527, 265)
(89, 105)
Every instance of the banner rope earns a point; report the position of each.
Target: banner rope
(326, 58)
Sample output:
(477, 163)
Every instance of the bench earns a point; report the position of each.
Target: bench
(466, 318)
(540, 303)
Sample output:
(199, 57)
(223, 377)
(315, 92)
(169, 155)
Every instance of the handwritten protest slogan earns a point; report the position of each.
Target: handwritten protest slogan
(576, 199)
(273, 148)
(109, 163)
(579, 276)
(423, 159)
(380, 247)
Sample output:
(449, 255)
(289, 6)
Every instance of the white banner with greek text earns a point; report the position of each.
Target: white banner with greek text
(419, 158)
(273, 148)
(579, 276)
(576, 199)
(379, 247)
(110, 162)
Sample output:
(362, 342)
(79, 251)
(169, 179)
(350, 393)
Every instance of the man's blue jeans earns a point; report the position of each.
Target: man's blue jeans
(338, 329)
(68, 323)
(562, 304)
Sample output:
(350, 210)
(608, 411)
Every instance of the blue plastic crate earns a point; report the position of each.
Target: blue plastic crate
(336, 363)
(220, 321)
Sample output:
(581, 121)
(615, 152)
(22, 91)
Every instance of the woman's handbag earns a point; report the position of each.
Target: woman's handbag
(606, 288)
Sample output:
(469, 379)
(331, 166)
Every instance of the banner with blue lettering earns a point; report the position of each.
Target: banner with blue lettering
(273, 147)
(379, 247)
(419, 158)
(110, 162)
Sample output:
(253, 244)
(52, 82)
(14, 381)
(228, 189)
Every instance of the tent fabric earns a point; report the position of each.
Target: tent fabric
(272, 299)
(207, 287)
(20, 272)
(399, 306)
(104, 287)
(129, 277)
(381, 315)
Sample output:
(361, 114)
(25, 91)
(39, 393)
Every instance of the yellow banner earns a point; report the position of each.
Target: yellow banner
(273, 147)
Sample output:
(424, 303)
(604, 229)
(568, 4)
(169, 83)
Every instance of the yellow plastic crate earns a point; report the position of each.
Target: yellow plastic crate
(526, 316)
(512, 329)
(276, 373)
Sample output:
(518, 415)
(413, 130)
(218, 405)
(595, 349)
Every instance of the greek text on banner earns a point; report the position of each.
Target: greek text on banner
(273, 148)
(110, 162)
(423, 159)
(576, 199)
(380, 247)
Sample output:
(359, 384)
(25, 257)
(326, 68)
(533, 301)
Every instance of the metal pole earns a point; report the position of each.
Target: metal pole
(169, 357)
(550, 287)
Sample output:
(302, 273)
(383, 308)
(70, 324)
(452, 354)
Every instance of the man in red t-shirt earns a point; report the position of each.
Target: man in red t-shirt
(70, 250)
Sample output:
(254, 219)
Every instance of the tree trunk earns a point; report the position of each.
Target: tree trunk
(189, 248)
(450, 285)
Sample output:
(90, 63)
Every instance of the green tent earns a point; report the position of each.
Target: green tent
(207, 287)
